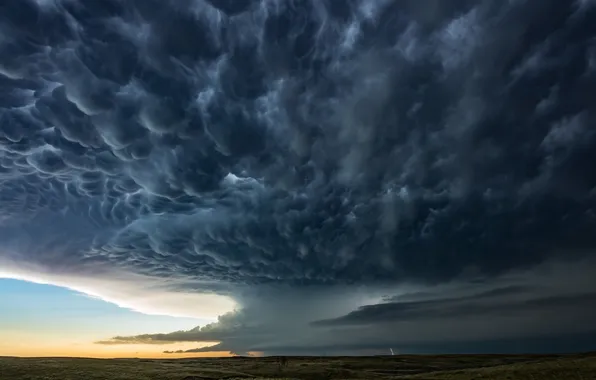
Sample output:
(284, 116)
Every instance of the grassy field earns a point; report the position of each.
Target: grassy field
(421, 367)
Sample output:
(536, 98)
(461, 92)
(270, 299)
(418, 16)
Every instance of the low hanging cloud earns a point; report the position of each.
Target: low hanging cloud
(547, 309)
(301, 158)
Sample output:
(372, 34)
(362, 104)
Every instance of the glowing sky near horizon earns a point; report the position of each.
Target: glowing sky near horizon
(46, 320)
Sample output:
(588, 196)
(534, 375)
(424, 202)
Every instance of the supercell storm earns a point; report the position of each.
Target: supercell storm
(237, 143)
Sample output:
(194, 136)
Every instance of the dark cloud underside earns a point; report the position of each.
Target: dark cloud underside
(365, 141)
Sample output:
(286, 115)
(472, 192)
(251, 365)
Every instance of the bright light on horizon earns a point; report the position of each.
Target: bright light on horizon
(43, 319)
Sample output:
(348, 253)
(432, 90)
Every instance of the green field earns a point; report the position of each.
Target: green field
(421, 367)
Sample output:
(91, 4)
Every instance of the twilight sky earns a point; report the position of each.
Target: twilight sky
(299, 176)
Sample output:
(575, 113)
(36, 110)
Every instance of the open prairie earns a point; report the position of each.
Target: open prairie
(422, 367)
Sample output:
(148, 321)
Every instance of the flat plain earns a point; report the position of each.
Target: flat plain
(421, 367)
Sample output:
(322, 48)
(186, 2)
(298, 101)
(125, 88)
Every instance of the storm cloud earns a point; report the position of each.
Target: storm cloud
(304, 151)
(547, 309)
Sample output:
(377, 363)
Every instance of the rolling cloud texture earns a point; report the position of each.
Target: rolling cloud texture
(289, 153)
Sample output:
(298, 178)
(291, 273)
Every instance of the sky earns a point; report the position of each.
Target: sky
(46, 320)
(322, 177)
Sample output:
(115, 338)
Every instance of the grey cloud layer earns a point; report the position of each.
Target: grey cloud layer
(300, 143)
(548, 309)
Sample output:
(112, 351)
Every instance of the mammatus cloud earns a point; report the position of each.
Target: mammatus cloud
(273, 150)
